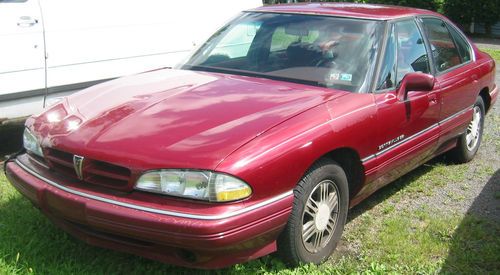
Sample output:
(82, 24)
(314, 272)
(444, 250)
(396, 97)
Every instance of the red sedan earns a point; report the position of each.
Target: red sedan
(263, 139)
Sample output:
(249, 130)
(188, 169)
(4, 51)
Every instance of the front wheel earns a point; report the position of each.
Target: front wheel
(318, 215)
(468, 143)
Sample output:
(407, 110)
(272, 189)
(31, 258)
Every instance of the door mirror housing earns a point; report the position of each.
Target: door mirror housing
(415, 82)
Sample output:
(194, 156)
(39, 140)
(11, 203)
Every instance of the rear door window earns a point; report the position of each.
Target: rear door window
(444, 50)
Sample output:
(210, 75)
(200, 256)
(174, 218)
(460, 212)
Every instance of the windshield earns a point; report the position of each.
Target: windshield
(323, 51)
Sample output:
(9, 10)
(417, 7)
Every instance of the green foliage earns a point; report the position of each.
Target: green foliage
(459, 11)
(462, 12)
(495, 54)
(422, 4)
(487, 11)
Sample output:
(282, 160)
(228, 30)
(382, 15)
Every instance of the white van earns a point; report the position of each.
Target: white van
(50, 48)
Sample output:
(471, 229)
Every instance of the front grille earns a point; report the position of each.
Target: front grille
(98, 172)
(93, 171)
(61, 162)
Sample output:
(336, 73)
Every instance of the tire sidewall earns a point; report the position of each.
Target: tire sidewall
(334, 173)
(469, 154)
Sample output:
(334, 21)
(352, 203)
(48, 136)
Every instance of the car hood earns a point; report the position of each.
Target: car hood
(172, 118)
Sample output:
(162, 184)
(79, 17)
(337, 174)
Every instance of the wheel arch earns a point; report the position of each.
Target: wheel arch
(350, 161)
(485, 95)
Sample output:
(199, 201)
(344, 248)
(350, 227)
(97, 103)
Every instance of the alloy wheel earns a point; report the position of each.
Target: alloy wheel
(320, 216)
(474, 129)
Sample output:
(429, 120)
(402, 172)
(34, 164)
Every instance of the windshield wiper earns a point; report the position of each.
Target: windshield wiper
(253, 74)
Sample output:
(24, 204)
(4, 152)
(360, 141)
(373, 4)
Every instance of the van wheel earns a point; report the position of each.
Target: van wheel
(318, 215)
(468, 143)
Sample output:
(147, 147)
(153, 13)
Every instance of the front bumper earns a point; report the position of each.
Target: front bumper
(212, 242)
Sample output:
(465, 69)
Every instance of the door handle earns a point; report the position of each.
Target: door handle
(432, 99)
(26, 21)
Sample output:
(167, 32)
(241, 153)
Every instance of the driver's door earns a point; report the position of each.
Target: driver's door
(408, 128)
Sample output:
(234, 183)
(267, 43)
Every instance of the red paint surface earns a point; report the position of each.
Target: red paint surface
(366, 11)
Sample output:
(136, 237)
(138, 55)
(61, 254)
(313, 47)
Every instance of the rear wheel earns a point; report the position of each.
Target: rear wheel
(318, 215)
(468, 143)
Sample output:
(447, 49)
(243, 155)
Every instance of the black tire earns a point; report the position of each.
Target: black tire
(465, 149)
(323, 175)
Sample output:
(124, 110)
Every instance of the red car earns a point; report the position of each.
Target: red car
(263, 139)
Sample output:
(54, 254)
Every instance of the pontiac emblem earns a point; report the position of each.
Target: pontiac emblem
(78, 164)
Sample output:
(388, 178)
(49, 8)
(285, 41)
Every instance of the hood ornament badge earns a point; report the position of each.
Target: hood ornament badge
(78, 164)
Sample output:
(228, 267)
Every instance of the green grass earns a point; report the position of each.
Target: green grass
(386, 239)
(495, 54)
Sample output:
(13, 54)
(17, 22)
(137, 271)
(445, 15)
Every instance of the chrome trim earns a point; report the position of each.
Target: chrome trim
(78, 165)
(31, 158)
(154, 210)
(416, 134)
(400, 143)
(368, 158)
(456, 114)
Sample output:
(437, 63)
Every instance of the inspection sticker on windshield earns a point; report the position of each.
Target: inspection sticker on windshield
(346, 77)
(334, 76)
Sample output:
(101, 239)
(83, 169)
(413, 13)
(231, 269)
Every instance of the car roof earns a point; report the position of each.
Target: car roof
(365, 11)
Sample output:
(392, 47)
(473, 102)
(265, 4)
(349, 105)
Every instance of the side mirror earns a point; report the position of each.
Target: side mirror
(415, 82)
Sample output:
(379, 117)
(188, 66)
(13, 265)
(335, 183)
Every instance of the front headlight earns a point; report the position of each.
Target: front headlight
(31, 144)
(200, 185)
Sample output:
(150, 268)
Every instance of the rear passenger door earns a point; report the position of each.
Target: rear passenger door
(455, 74)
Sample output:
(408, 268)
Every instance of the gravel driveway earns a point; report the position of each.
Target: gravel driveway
(480, 196)
(478, 192)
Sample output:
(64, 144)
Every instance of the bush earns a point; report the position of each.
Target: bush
(423, 4)
(465, 12)
(462, 12)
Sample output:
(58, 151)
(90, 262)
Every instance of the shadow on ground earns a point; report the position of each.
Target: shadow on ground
(475, 244)
(394, 187)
